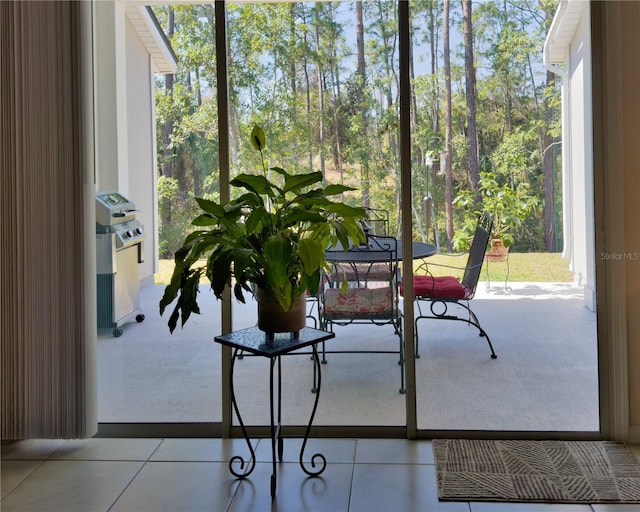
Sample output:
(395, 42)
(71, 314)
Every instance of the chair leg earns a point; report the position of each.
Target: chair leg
(415, 330)
(483, 333)
(473, 320)
(325, 326)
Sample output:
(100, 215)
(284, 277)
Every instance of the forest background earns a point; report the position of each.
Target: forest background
(322, 80)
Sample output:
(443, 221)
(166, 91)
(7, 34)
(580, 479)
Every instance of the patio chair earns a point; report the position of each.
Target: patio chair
(371, 293)
(442, 293)
(376, 222)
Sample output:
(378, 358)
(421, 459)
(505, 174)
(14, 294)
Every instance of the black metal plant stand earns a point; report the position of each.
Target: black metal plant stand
(273, 346)
(507, 288)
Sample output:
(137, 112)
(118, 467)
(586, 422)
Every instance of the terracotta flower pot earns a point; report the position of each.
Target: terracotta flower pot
(497, 251)
(272, 318)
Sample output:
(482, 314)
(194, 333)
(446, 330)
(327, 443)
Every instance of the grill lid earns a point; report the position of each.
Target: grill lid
(113, 208)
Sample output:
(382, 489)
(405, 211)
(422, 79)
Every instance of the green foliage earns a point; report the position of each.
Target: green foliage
(273, 235)
(178, 208)
(293, 69)
(503, 192)
(508, 206)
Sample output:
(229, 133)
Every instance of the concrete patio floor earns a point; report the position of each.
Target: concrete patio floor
(544, 379)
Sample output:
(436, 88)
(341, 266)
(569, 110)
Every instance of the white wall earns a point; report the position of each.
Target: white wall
(141, 143)
(579, 167)
(105, 96)
(125, 135)
(581, 143)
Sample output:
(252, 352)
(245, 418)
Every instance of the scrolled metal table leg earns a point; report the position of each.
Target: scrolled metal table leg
(238, 458)
(314, 463)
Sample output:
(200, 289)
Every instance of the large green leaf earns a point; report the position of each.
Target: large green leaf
(187, 302)
(248, 199)
(277, 252)
(335, 189)
(255, 183)
(206, 219)
(258, 217)
(300, 215)
(296, 182)
(210, 206)
(218, 269)
(312, 254)
(313, 282)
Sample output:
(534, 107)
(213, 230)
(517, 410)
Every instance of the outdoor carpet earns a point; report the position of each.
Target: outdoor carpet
(536, 471)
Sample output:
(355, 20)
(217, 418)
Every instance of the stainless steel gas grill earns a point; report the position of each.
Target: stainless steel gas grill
(119, 248)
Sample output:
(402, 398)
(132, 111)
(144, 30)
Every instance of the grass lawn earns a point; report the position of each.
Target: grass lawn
(530, 266)
(541, 267)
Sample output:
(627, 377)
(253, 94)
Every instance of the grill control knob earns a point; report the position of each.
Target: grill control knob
(138, 231)
(128, 234)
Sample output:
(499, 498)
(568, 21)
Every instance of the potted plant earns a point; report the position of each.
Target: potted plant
(269, 241)
(508, 207)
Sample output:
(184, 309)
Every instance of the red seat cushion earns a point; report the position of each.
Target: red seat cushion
(445, 287)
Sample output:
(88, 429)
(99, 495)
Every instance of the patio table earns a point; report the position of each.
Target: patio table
(361, 254)
(375, 261)
(272, 346)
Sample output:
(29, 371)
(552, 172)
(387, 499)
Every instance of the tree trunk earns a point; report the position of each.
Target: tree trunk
(307, 83)
(167, 164)
(470, 81)
(334, 93)
(435, 110)
(448, 130)
(547, 163)
(336, 128)
(361, 74)
(388, 45)
(549, 178)
(321, 134)
(292, 64)
(197, 173)
(412, 92)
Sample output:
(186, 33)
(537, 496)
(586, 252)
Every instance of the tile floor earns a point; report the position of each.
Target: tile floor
(156, 475)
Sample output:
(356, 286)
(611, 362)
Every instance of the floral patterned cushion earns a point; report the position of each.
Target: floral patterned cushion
(358, 302)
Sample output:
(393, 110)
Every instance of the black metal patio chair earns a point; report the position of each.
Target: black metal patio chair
(370, 296)
(443, 293)
(376, 222)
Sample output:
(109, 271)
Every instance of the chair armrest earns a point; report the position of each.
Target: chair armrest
(430, 268)
(451, 264)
